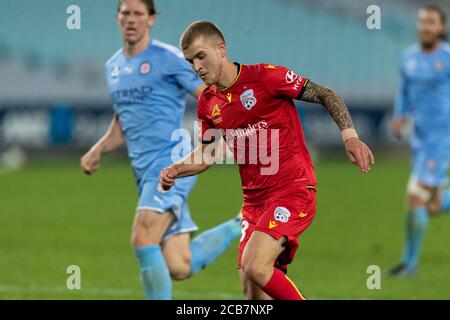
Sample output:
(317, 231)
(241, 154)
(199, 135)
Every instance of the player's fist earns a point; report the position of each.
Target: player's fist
(167, 178)
(359, 154)
(90, 162)
(398, 126)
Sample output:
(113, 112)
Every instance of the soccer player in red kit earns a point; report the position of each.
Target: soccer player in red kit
(252, 109)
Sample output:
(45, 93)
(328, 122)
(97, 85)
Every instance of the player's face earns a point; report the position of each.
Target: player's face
(429, 27)
(206, 56)
(134, 21)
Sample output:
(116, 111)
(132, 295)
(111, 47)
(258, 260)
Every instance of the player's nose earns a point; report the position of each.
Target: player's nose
(196, 66)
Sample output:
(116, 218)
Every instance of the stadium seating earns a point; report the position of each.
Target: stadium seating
(328, 42)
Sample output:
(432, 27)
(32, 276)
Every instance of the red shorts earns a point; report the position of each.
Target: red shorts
(287, 214)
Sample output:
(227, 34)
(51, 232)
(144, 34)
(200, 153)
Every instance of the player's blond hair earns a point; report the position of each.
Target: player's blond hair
(200, 29)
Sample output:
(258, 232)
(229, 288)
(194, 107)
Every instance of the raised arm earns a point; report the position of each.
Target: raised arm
(356, 150)
(111, 140)
(196, 162)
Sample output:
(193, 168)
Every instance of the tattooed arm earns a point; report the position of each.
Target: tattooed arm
(357, 151)
(332, 101)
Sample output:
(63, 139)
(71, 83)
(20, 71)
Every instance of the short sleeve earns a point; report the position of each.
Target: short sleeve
(281, 81)
(183, 74)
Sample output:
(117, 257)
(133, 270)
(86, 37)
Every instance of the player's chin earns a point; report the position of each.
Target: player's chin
(208, 81)
(131, 39)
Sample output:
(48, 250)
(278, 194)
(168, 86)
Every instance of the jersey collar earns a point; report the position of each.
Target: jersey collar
(239, 66)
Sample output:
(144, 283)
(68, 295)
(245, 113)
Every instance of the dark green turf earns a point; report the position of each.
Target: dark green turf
(52, 216)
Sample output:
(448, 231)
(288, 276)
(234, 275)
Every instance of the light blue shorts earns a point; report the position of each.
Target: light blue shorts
(174, 200)
(430, 165)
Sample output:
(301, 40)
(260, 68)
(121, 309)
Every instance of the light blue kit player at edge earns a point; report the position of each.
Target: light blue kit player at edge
(148, 93)
(425, 96)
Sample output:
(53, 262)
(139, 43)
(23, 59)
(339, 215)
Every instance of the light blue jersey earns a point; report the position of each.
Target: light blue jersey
(148, 92)
(425, 95)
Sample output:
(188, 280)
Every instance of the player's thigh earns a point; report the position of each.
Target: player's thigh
(251, 290)
(261, 251)
(149, 227)
(178, 255)
(430, 168)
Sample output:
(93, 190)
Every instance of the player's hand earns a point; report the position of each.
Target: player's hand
(398, 126)
(167, 178)
(359, 154)
(90, 162)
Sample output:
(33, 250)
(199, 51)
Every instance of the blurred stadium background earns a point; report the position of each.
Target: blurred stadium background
(54, 105)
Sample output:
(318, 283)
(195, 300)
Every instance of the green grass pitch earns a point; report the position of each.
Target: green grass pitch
(52, 216)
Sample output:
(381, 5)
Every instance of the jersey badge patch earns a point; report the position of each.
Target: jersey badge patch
(248, 99)
(144, 68)
(281, 214)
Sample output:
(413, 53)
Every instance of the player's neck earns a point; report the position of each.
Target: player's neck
(228, 75)
(133, 49)
(429, 48)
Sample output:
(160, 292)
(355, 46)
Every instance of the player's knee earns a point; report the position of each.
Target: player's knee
(414, 202)
(255, 271)
(434, 208)
(418, 194)
(180, 273)
(180, 269)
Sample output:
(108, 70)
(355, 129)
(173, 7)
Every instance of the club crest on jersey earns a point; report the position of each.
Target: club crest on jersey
(439, 66)
(281, 214)
(215, 114)
(248, 99)
(144, 68)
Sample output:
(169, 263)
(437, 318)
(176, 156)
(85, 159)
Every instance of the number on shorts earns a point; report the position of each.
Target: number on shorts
(244, 229)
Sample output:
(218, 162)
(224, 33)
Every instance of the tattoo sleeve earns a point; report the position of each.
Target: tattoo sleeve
(332, 101)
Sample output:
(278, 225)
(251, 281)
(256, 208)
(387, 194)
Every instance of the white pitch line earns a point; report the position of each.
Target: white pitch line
(114, 292)
(47, 289)
(121, 292)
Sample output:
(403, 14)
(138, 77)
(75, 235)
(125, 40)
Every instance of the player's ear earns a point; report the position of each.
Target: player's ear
(151, 20)
(222, 47)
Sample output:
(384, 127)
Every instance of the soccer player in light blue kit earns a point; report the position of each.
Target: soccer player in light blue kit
(425, 95)
(148, 80)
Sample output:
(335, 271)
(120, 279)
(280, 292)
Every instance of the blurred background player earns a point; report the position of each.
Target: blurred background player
(425, 94)
(147, 80)
(279, 199)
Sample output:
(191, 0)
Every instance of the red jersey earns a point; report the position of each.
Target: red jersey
(257, 117)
